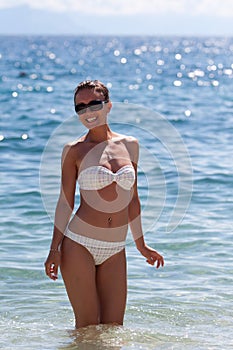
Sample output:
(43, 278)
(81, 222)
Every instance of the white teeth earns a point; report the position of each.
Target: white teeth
(90, 120)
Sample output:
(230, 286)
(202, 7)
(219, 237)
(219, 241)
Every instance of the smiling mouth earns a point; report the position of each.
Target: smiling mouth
(91, 120)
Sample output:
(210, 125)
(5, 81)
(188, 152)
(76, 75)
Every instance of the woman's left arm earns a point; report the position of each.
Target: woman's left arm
(134, 210)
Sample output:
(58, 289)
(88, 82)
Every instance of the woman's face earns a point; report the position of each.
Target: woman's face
(95, 114)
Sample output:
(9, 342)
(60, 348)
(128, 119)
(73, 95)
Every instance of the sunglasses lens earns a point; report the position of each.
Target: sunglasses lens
(93, 106)
(80, 111)
(96, 107)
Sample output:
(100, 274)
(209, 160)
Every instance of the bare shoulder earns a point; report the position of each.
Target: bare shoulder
(130, 141)
(126, 138)
(72, 149)
(75, 143)
(132, 145)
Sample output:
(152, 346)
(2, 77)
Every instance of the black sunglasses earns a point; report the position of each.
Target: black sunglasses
(95, 105)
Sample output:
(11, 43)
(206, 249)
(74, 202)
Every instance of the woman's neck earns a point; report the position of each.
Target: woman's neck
(99, 134)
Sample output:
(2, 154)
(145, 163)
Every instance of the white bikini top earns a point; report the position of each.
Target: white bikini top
(97, 177)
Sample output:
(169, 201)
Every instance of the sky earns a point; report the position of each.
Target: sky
(187, 17)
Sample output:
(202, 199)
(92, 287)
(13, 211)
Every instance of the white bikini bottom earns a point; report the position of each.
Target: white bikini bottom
(100, 250)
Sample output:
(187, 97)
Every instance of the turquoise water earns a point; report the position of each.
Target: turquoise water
(175, 96)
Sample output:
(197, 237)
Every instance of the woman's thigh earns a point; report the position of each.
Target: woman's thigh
(111, 280)
(79, 275)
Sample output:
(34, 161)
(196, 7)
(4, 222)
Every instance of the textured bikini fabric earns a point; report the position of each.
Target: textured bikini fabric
(98, 177)
(100, 250)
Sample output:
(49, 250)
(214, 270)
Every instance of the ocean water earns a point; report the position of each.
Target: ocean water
(175, 95)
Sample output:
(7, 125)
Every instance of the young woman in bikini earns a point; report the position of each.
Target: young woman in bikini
(90, 248)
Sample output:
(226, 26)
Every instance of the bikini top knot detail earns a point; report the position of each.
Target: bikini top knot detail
(97, 177)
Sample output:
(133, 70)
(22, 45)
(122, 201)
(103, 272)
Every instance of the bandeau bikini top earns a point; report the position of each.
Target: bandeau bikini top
(97, 177)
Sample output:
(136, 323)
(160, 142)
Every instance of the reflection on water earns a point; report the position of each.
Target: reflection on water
(118, 337)
(96, 338)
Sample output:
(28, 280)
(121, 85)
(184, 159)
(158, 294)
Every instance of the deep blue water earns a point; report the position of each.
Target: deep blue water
(175, 96)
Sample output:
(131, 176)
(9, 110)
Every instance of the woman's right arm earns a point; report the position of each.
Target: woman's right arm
(64, 209)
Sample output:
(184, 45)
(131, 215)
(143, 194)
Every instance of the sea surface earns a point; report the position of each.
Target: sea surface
(175, 95)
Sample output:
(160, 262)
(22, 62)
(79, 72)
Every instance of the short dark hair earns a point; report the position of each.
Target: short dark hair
(92, 84)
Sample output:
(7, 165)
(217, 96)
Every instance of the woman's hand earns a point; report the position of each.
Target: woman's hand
(52, 263)
(152, 256)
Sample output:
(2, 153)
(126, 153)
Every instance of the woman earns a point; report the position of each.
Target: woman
(90, 248)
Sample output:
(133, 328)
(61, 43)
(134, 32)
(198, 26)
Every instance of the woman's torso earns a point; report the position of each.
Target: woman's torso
(103, 212)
